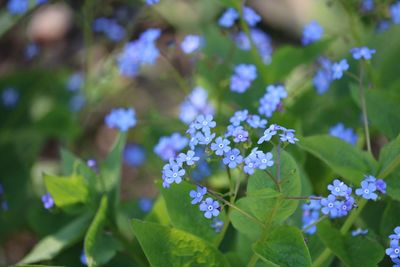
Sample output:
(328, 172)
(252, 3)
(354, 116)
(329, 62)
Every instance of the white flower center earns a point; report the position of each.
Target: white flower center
(232, 157)
(330, 205)
(221, 145)
(174, 174)
(210, 208)
(366, 191)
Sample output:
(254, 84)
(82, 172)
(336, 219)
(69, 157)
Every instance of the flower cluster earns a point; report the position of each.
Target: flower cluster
(339, 202)
(312, 32)
(311, 213)
(394, 250)
(121, 118)
(346, 134)
(260, 39)
(323, 77)
(110, 28)
(362, 53)
(168, 146)
(242, 78)
(271, 101)
(195, 103)
(230, 15)
(369, 187)
(139, 52)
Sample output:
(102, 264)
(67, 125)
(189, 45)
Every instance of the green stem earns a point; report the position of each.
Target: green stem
(364, 111)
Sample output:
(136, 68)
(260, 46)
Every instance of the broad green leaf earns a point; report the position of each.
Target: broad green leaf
(390, 218)
(186, 216)
(67, 191)
(343, 158)
(389, 158)
(111, 170)
(159, 213)
(393, 185)
(353, 251)
(285, 247)
(264, 202)
(286, 58)
(164, 246)
(383, 110)
(50, 246)
(99, 246)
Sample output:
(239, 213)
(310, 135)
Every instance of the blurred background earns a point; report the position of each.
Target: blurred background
(59, 77)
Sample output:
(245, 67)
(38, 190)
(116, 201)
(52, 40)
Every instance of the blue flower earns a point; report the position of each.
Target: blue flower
(359, 231)
(196, 103)
(210, 208)
(9, 97)
(312, 32)
(92, 164)
(255, 121)
(243, 76)
(217, 225)
(191, 43)
(264, 160)
(77, 102)
(250, 163)
(268, 134)
(189, 158)
(233, 158)
(145, 204)
(309, 217)
(367, 5)
(205, 137)
(367, 190)
(261, 40)
(323, 77)
(288, 136)
(48, 201)
(379, 183)
(394, 10)
(330, 206)
(83, 258)
(31, 51)
(250, 16)
(270, 102)
(168, 146)
(198, 195)
(394, 250)
(75, 82)
(110, 28)
(345, 206)
(121, 119)
(152, 2)
(396, 234)
(338, 188)
(220, 146)
(382, 26)
(240, 135)
(139, 52)
(338, 68)
(228, 18)
(172, 173)
(362, 53)
(346, 134)
(204, 123)
(134, 155)
(238, 117)
(17, 7)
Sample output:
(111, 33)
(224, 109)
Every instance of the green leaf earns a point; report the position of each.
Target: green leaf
(390, 218)
(389, 158)
(186, 216)
(284, 246)
(164, 246)
(111, 170)
(67, 191)
(52, 245)
(35, 265)
(99, 246)
(343, 158)
(286, 58)
(383, 110)
(353, 251)
(265, 203)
